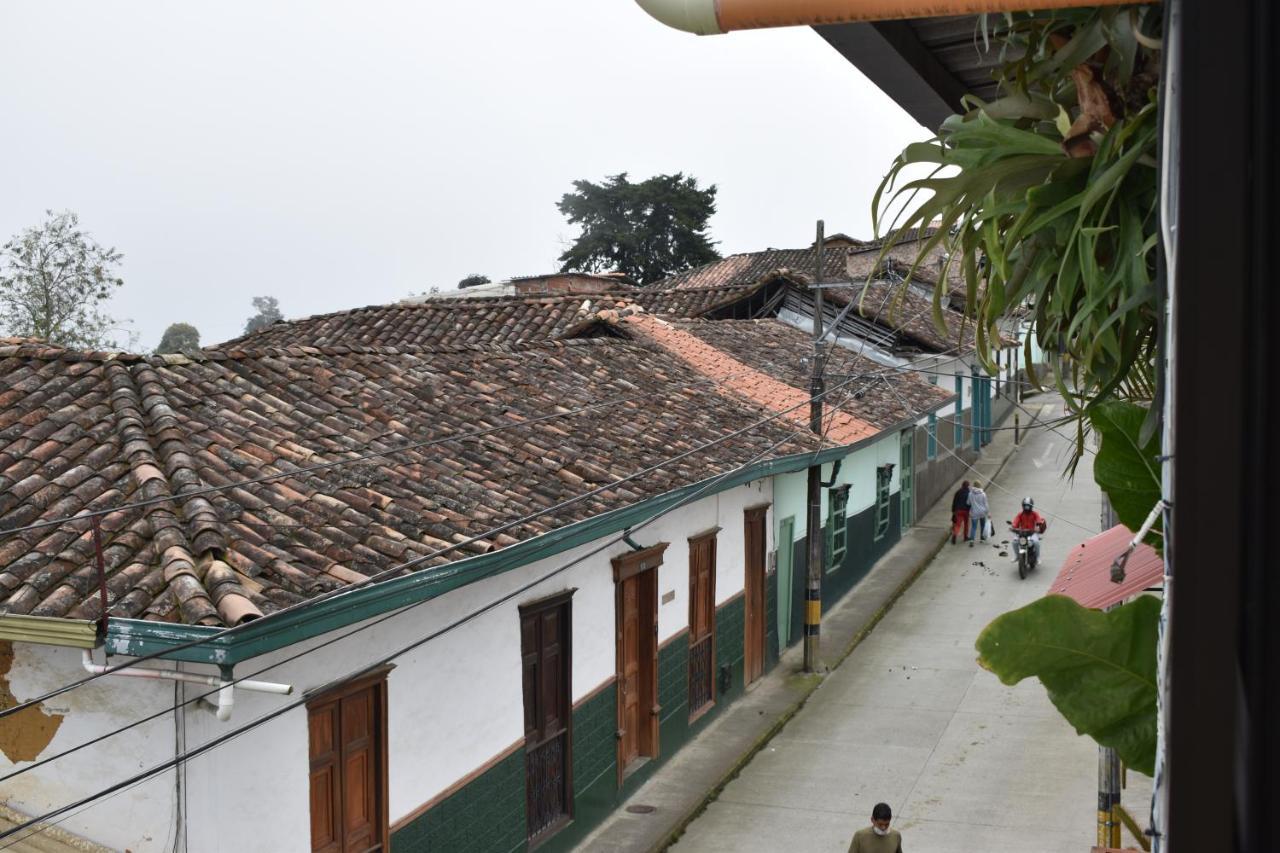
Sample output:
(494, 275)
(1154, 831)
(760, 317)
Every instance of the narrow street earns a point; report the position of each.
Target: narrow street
(909, 718)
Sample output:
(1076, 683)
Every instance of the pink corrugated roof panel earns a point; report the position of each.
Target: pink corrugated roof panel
(1086, 573)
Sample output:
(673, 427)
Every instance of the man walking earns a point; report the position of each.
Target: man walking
(877, 838)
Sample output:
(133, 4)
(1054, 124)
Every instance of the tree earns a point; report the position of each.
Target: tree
(473, 280)
(180, 337)
(648, 231)
(268, 312)
(54, 279)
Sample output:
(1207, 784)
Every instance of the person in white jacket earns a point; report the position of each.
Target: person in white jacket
(979, 512)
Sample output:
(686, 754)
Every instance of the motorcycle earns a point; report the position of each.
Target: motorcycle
(1024, 554)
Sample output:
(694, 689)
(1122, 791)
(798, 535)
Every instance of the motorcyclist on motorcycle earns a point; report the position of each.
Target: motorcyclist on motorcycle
(1032, 523)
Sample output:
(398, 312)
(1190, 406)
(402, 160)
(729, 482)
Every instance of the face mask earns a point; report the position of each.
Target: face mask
(879, 831)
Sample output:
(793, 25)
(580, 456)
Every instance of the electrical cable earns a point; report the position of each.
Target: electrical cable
(411, 563)
(1004, 488)
(835, 409)
(179, 759)
(271, 715)
(399, 568)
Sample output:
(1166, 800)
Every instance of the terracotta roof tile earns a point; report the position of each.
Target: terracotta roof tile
(741, 378)
(481, 321)
(907, 309)
(165, 428)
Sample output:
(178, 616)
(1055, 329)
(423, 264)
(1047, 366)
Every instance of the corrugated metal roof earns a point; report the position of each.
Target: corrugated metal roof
(926, 65)
(1086, 574)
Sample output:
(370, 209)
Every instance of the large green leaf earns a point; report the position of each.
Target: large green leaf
(1127, 470)
(1098, 668)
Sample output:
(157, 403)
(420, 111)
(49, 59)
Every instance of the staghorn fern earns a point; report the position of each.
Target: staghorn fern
(1047, 198)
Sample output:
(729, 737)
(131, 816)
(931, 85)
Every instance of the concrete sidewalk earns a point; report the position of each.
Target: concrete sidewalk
(679, 791)
(909, 718)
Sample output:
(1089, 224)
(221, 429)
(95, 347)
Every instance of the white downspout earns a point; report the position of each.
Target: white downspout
(225, 700)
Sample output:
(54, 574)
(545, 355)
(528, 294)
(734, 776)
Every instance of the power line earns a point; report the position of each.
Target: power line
(388, 616)
(1002, 487)
(271, 715)
(433, 554)
(373, 579)
(263, 719)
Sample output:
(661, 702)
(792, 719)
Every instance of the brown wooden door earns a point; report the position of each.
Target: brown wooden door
(702, 621)
(545, 645)
(630, 675)
(636, 578)
(348, 768)
(753, 653)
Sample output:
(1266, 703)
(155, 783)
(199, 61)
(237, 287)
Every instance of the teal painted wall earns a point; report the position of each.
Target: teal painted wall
(861, 553)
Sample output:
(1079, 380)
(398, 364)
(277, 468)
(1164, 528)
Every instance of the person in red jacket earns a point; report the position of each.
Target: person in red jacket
(1032, 522)
(960, 512)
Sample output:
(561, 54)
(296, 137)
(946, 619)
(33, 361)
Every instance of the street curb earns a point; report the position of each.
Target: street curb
(672, 836)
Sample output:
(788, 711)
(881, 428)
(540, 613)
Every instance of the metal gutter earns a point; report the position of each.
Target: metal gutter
(48, 630)
(712, 17)
(134, 637)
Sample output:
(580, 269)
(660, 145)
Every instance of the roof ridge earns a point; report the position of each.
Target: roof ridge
(149, 475)
(373, 349)
(206, 536)
(223, 353)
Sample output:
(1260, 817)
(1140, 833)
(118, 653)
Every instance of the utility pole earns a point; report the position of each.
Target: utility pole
(813, 589)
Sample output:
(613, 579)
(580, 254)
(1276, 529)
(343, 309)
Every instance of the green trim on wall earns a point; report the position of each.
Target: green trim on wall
(135, 637)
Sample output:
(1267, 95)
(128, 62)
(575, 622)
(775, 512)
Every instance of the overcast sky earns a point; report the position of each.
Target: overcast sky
(335, 155)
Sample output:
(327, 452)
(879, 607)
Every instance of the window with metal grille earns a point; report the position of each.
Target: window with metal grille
(884, 476)
(837, 527)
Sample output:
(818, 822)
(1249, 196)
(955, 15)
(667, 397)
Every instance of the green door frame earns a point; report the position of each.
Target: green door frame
(786, 552)
(907, 478)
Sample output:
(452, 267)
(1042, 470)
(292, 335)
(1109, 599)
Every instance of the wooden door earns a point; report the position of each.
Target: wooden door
(348, 767)
(630, 670)
(753, 652)
(636, 581)
(702, 624)
(545, 647)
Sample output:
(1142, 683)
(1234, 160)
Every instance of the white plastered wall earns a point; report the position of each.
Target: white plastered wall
(139, 818)
(454, 703)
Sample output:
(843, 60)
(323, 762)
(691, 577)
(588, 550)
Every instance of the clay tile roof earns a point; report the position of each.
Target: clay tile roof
(482, 322)
(758, 356)
(885, 397)
(907, 309)
(742, 378)
(89, 431)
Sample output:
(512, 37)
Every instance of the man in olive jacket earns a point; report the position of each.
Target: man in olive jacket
(877, 838)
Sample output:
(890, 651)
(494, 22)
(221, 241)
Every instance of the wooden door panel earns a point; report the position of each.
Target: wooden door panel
(545, 648)
(324, 819)
(347, 779)
(553, 700)
(702, 566)
(630, 669)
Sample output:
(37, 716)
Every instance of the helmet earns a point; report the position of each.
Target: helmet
(1028, 504)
